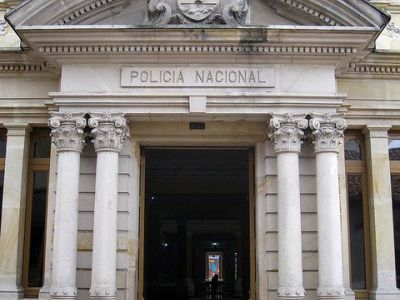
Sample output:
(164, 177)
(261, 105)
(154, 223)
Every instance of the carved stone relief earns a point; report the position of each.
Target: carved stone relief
(286, 132)
(327, 130)
(110, 131)
(229, 12)
(67, 131)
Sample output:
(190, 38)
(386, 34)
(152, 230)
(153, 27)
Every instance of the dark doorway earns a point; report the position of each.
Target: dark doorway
(196, 224)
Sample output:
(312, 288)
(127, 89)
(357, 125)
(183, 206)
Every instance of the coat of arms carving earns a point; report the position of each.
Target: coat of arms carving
(197, 10)
(229, 12)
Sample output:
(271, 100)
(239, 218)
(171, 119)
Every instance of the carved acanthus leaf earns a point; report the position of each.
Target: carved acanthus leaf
(110, 131)
(286, 131)
(327, 131)
(67, 131)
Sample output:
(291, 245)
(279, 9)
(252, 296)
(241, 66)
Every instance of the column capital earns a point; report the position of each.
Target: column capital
(372, 131)
(327, 131)
(286, 131)
(67, 131)
(17, 129)
(110, 131)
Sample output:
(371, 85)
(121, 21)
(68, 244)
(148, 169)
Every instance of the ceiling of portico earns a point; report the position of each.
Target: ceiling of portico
(355, 13)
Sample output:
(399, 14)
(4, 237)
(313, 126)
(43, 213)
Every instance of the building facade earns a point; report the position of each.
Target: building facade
(147, 146)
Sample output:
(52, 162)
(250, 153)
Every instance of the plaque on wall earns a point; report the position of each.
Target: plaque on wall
(241, 76)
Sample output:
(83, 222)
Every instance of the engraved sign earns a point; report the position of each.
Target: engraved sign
(243, 76)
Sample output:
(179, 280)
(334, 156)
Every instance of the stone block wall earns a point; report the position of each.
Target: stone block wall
(86, 214)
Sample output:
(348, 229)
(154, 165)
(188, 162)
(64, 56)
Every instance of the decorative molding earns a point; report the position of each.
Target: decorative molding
(291, 292)
(327, 131)
(63, 292)
(375, 68)
(104, 292)
(312, 12)
(3, 26)
(22, 67)
(286, 131)
(331, 292)
(190, 48)
(67, 131)
(393, 30)
(230, 12)
(306, 12)
(110, 131)
(85, 10)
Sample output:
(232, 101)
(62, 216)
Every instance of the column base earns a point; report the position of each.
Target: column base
(383, 294)
(11, 295)
(103, 293)
(349, 294)
(63, 293)
(44, 292)
(331, 293)
(291, 293)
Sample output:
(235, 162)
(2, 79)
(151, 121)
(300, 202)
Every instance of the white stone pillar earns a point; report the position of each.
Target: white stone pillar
(287, 131)
(381, 215)
(110, 133)
(13, 220)
(67, 135)
(327, 134)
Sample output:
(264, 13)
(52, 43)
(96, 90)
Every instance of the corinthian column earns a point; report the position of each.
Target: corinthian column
(287, 131)
(110, 133)
(328, 133)
(67, 135)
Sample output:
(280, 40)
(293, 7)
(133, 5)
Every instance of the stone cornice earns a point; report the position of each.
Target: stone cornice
(335, 45)
(375, 65)
(16, 62)
(389, 6)
(331, 13)
(52, 12)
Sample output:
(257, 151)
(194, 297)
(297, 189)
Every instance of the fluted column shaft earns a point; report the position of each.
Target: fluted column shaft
(287, 131)
(110, 133)
(327, 134)
(67, 134)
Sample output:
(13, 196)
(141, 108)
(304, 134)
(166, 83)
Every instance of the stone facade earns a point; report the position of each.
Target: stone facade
(285, 78)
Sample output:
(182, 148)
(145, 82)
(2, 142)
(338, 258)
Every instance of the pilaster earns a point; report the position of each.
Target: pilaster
(381, 215)
(13, 217)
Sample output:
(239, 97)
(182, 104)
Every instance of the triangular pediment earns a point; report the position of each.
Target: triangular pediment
(353, 13)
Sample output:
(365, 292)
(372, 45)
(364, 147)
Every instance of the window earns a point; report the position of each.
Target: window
(356, 177)
(394, 156)
(36, 207)
(3, 144)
